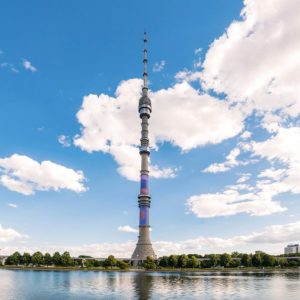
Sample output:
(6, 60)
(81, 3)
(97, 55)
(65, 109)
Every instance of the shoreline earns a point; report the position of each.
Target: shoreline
(213, 270)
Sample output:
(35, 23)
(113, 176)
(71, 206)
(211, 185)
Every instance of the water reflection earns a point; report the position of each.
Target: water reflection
(75, 285)
(143, 284)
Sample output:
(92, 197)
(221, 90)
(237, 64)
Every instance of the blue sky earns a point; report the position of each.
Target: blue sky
(224, 128)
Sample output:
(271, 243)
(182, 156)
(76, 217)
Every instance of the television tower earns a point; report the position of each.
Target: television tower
(144, 247)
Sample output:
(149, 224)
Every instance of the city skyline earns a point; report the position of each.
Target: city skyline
(224, 138)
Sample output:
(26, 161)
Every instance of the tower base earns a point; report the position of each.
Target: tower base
(143, 247)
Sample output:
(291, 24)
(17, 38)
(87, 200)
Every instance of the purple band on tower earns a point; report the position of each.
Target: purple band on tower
(144, 215)
(144, 184)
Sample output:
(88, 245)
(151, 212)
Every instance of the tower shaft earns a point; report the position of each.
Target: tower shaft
(144, 247)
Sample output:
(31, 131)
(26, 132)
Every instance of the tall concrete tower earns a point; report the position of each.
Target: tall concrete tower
(144, 246)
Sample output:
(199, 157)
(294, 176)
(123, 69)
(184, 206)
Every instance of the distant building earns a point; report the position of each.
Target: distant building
(292, 249)
(3, 259)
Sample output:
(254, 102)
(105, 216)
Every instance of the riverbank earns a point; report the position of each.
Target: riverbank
(163, 270)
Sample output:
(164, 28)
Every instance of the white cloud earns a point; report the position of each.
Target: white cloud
(272, 173)
(9, 234)
(198, 51)
(25, 175)
(271, 239)
(246, 135)
(127, 228)
(244, 177)
(230, 162)
(283, 147)
(232, 201)
(197, 61)
(112, 125)
(10, 66)
(256, 60)
(28, 65)
(64, 140)
(159, 66)
(187, 76)
(13, 205)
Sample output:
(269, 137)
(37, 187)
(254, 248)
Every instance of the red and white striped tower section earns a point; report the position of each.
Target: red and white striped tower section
(144, 247)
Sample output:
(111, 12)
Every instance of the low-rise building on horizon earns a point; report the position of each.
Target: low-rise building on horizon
(292, 249)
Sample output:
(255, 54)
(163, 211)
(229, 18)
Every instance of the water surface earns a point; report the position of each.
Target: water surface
(64, 285)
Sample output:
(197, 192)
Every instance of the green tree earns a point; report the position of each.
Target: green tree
(26, 259)
(257, 260)
(66, 259)
(234, 263)
(268, 260)
(282, 262)
(292, 263)
(193, 262)
(110, 261)
(235, 254)
(98, 263)
(214, 259)
(56, 258)
(89, 263)
(149, 264)
(123, 265)
(14, 259)
(183, 261)
(206, 263)
(225, 260)
(164, 262)
(37, 258)
(173, 261)
(47, 259)
(246, 260)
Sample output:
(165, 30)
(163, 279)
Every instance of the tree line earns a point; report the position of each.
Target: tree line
(233, 260)
(62, 260)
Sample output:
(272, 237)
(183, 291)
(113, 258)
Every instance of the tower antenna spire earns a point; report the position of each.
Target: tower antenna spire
(145, 61)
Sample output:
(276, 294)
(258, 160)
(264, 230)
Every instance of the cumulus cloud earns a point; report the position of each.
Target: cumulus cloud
(28, 66)
(9, 234)
(64, 140)
(230, 162)
(24, 175)
(232, 201)
(112, 125)
(159, 66)
(255, 62)
(282, 148)
(127, 228)
(271, 239)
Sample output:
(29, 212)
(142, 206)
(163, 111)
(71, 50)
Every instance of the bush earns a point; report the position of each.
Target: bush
(149, 264)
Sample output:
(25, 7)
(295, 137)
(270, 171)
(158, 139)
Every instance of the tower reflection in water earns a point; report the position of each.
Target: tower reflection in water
(143, 285)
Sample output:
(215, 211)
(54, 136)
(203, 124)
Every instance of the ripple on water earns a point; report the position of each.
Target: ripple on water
(44, 285)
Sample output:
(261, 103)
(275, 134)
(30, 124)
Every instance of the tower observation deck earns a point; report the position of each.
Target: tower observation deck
(144, 247)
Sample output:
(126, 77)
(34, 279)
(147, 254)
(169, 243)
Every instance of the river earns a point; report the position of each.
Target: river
(88, 285)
